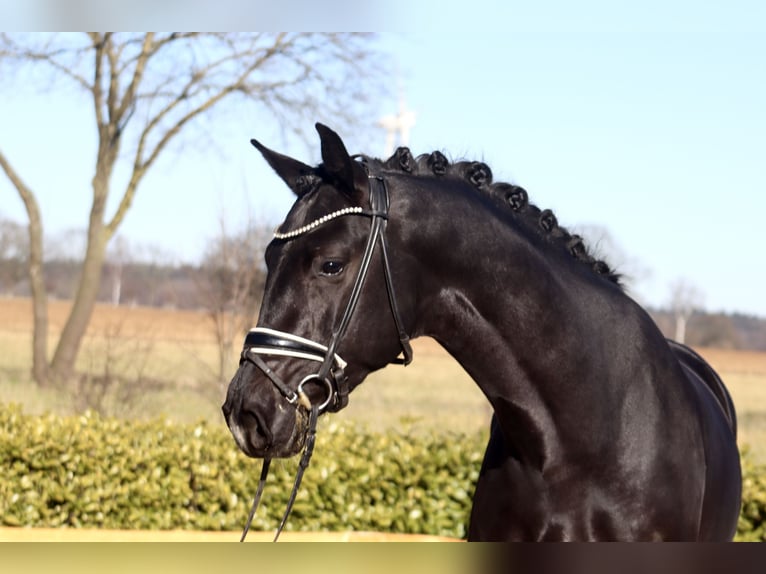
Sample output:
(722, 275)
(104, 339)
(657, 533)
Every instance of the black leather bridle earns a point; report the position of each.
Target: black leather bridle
(331, 374)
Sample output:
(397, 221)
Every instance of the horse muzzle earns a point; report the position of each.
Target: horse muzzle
(261, 422)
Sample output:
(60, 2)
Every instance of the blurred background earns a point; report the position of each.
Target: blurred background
(134, 212)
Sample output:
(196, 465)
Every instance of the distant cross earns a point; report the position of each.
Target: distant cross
(397, 127)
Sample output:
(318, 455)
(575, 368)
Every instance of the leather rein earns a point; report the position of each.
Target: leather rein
(331, 373)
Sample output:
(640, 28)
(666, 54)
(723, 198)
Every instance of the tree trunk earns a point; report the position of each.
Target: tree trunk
(36, 274)
(63, 363)
(39, 300)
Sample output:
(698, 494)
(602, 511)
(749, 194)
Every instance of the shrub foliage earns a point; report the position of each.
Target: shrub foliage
(89, 471)
(94, 472)
(752, 519)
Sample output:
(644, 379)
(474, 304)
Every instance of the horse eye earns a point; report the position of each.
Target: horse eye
(331, 267)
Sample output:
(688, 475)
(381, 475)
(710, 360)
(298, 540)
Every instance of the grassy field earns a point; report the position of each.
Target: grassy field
(169, 357)
(173, 353)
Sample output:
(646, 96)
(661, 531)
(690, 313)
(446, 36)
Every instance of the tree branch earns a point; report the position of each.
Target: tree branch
(25, 193)
(96, 89)
(114, 86)
(49, 57)
(141, 164)
(148, 48)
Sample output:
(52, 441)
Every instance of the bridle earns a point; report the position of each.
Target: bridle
(331, 373)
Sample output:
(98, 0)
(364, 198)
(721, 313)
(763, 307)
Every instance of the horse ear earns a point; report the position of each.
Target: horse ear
(351, 176)
(290, 170)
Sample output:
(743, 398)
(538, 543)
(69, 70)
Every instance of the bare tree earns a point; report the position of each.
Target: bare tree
(685, 299)
(145, 90)
(231, 283)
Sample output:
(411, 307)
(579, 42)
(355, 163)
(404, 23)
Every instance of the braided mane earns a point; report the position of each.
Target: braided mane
(513, 197)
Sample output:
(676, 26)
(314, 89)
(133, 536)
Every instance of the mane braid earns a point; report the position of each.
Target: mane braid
(508, 196)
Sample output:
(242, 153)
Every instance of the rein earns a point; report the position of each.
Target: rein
(331, 373)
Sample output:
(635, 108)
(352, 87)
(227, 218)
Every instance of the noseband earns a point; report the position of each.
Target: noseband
(331, 373)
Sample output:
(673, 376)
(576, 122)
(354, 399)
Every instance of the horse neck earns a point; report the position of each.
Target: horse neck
(532, 329)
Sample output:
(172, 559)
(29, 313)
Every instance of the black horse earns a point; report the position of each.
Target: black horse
(602, 428)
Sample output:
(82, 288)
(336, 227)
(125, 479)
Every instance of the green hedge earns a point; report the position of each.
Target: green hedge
(89, 471)
(752, 519)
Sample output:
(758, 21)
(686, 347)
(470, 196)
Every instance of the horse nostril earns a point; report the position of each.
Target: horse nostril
(255, 424)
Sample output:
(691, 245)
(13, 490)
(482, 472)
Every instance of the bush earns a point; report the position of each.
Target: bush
(89, 471)
(752, 519)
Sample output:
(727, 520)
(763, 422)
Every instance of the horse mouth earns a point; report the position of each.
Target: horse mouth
(257, 440)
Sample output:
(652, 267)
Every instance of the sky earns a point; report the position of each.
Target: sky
(645, 122)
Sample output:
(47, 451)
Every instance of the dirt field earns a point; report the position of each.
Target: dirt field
(159, 324)
(741, 362)
(181, 325)
(178, 346)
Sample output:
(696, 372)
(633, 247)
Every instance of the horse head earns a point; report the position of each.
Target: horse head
(329, 315)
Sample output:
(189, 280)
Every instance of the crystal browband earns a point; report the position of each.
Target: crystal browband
(317, 222)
